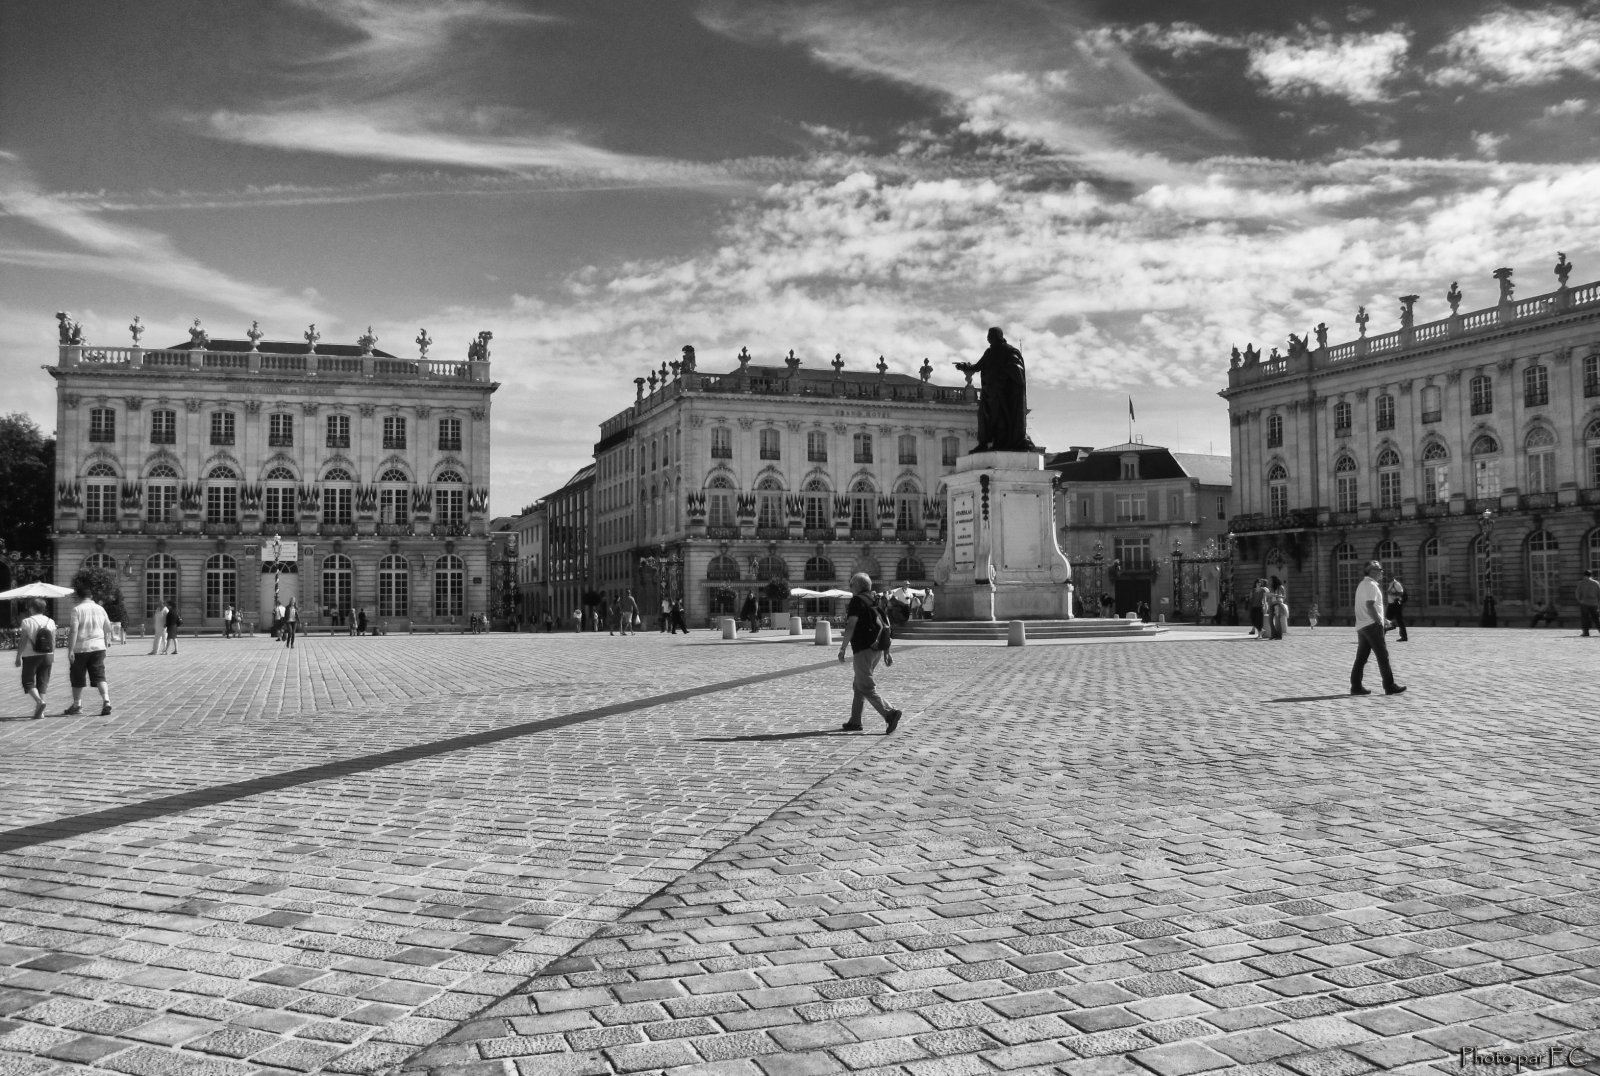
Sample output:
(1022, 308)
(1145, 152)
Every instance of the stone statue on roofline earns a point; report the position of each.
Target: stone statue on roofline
(478, 350)
(1003, 399)
(1563, 268)
(688, 359)
(1297, 346)
(71, 331)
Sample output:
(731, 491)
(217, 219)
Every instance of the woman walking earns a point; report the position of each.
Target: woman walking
(291, 622)
(1278, 607)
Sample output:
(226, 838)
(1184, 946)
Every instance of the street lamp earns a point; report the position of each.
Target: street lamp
(1177, 578)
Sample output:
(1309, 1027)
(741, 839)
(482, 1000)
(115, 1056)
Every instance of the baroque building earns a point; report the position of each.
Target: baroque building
(231, 472)
(569, 538)
(710, 487)
(1464, 453)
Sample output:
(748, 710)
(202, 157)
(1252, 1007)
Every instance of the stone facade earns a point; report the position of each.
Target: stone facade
(731, 481)
(179, 469)
(569, 546)
(1464, 453)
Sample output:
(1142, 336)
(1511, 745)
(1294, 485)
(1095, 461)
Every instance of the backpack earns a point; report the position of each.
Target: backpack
(884, 638)
(44, 640)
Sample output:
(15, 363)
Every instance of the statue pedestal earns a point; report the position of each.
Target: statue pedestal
(1001, 560)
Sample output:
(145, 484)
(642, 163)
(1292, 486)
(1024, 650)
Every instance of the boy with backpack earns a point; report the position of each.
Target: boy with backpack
(36, 653)
(866, 634)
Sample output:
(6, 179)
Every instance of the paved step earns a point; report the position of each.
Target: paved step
(1081, 628)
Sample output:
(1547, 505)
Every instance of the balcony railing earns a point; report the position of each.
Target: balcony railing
(449, 444)
(338, 441)
(1432, 416)
(280, 440)
(247, 363)
(1534, 502)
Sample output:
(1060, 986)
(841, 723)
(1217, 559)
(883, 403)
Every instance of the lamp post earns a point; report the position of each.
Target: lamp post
(1177, 578)
(666, 569)
(277, 552)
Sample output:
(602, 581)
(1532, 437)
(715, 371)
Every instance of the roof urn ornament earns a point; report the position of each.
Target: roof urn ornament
(838, 365)
(883, 368)
(927, 367)
(744, 359)
(198, 337)
(652, 380)
(1503, 275)
(136, 327)
(1453, 297)
(424, 341)
(311, 337)
(1362, 317)
(367, 340)
(255, 334)
(478, 350)
(1563, 268)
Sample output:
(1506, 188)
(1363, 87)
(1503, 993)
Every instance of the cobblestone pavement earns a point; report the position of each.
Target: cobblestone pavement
(514, 854)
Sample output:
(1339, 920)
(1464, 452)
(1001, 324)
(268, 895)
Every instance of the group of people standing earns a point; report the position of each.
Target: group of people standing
(1269, 608)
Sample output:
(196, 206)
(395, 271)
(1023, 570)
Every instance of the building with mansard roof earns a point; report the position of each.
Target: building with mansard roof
(1462, 452)
(236, 472)
(711, 487)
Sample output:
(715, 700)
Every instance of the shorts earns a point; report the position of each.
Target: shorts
(36, 672)
(88, 667)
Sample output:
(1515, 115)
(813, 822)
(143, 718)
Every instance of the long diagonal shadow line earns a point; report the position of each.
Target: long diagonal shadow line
(12, 840)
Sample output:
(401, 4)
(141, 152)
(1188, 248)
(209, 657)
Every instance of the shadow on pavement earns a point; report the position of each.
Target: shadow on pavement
(1314, 698)
(771, 736)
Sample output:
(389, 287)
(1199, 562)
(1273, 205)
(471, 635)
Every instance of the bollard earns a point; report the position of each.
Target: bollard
(1161, 618)
(824, 634)
(1016, 633)
(730, 630)
(795, 624)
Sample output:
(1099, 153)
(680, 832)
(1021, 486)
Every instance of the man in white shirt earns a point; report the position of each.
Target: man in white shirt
(86, 650)
(1370, 626)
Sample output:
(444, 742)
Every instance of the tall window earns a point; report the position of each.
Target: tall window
(222, 585)
(1535, 386)
(1543, 577)
(863, 447)
(338, 492)
(907, 507)
(908, 448)
(163, 427)
(1431, 406)
(160, 582)
(1435, 473)
(721, 444)
(1485, 467)
(1222, 509)
(1435, 574)
(816, 447)
(1131, 552)
(394, 431)
(1385, 412)
(338, 431)
(394, 586)
(1342, 417)
(1591, 374)
(449, 586)
(771, 449)
(949, 450)
(1347, 572)
(337, 574)
(1481, 390)
(719, 502)
(280, 430)
(1541, 446)
(450, 498)
(909, 570)
(1388, 479)
(394, 496)
(1591, 552)
(161, 494)
(1388, 554)
(1130, 507)
(863, 505)
(100, 494)
(102, 424)
(769, 502)
(222, 427)
(222, 495)
(817, 496)
(449, 435)
(1278, 490)
(1591, 449)
(278, 497)
(1344, 484)
(1274, 431)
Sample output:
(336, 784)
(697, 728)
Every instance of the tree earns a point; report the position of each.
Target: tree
(102, 587)
(27, 484)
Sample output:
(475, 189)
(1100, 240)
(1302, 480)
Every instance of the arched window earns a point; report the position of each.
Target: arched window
(769, 503)
(451, 476)
(719, 501)
(909, 570)
(1485, 468)
(1342, 413)
(338, 499)
(222, 495)
(1481, 391)
(1388, 479)
(1274, 431)
(338, 474)
(771, 566)
(449, 498)
(1541, 446)
(222, 584)
(1278, 490)
(820, 570)
(1387, 553)
(1485, 571)
(337, 585)
(100, 494)
(162, 470)
(394, 586)
(1435, 473)
(449, 586)
(1347, 572)
(907, 506)
(161, 494)
(723, 569)
(160, 582)
(278, 497)
(394, 498)
(1344, 483)
(863, 506)
(103, 561)
(819, 515)
(1435, 574)
(1543, 571)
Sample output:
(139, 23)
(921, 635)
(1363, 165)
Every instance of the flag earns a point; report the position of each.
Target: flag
(1130, 408)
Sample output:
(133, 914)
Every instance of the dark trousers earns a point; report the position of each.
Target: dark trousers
(1396, 611)
(1591, 617)
(1369, 640)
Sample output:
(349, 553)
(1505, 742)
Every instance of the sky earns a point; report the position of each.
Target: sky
(1129, 187)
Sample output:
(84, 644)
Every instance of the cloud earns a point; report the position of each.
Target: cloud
(1508, 47)
(1356, 67)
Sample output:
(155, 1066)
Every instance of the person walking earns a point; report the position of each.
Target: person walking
(158, 629)
(361, 622)
(86, 649)
(666, 616)
(1370, 626)
(748, 612)
(1277, 607)
(627, 610)
(1396, 609)
(1589, 602)
(1258, 608)
(679, 621)
(174, 622)
(291, 622)
(36, 653)
(863, 624)
(278, 611)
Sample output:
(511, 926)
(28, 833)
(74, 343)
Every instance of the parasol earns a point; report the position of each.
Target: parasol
(37, 590)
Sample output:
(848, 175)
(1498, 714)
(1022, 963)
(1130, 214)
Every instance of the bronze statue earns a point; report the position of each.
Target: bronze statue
(1003, 405)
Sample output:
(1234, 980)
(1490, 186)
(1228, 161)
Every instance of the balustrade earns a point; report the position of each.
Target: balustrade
(248, 362)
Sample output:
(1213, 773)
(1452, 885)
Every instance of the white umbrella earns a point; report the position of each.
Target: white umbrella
(37, 590)
(806, 592)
